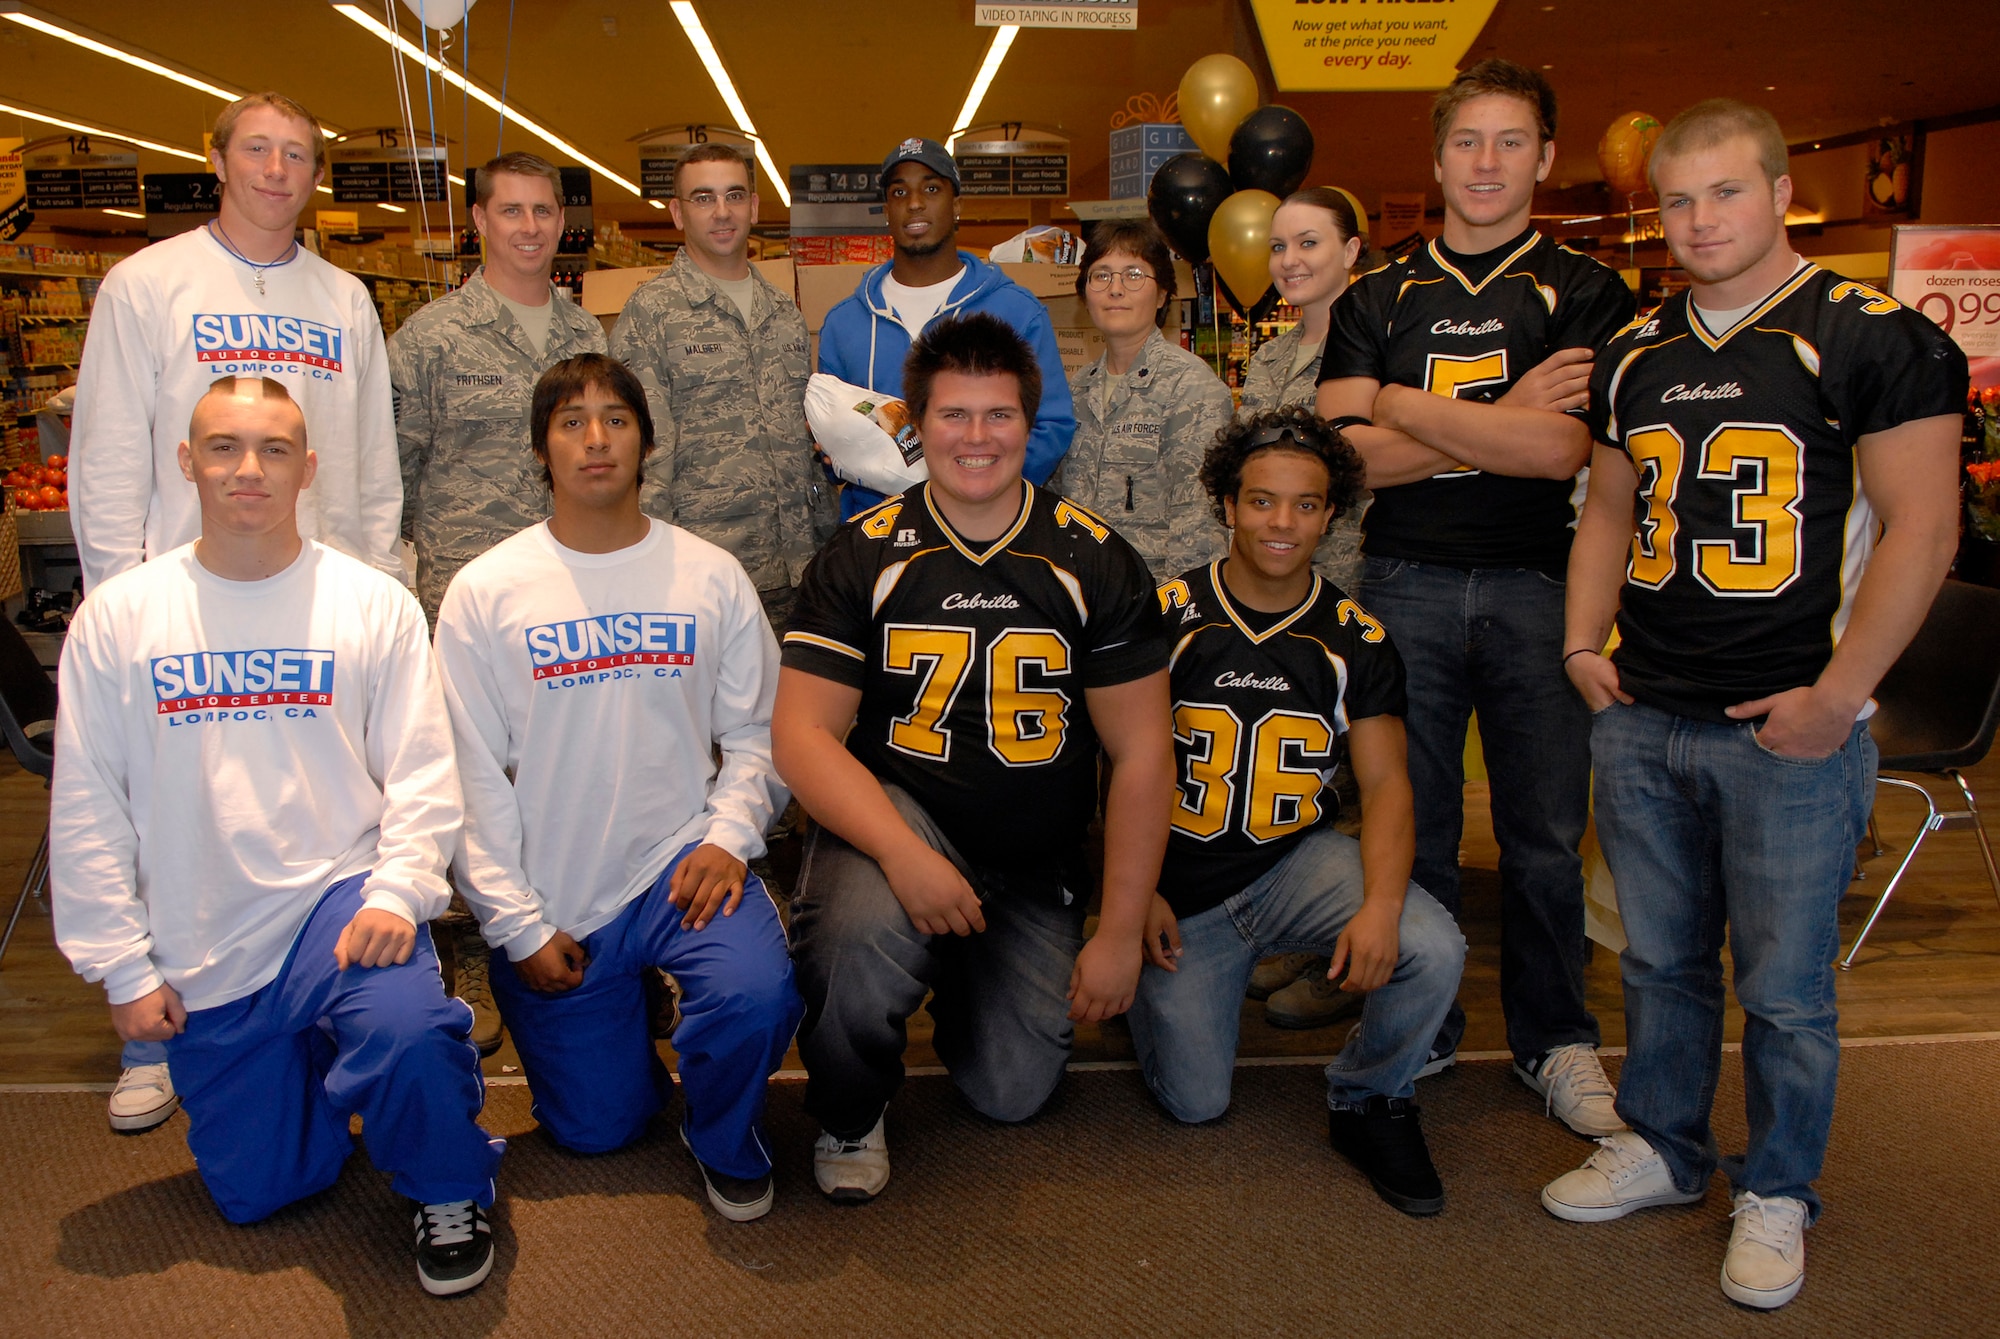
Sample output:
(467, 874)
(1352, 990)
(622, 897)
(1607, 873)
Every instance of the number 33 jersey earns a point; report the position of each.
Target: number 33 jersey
(1260, 703)
(1752, 527)
(972, 658)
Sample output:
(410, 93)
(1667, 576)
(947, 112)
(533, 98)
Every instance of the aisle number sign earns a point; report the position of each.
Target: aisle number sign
(1078, 15)
(81, 172)
(1952, 275)
(1318, 46)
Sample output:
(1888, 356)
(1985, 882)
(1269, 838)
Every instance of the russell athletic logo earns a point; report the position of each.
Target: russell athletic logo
(243, 685)
(258, 341)
(610, 646)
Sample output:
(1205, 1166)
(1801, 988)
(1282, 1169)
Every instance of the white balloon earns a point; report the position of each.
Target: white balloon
(440, 14)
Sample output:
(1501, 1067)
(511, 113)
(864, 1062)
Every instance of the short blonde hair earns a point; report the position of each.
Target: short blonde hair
(225, 124)
(1714, 121)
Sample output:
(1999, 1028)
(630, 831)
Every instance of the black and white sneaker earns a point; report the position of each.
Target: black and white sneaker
(734, 1198)
(1386, 1144)
(454, 1246)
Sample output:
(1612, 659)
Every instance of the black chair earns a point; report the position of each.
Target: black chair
(28, 715)
(1937, 709)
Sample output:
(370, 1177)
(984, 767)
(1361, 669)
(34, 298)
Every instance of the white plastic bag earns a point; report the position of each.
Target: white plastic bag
(868, 436)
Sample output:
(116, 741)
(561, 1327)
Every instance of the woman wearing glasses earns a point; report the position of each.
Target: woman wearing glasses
(1146, 410)
(1315, 246)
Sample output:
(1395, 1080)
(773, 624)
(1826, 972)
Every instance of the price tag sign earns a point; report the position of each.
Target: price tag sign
(81, 172)
(382, 165)
(184, 193)
(1952, 275)
(836, 199)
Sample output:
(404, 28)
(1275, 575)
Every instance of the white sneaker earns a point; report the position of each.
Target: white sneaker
(1766, 1262)
(1574, 1090)
(1622, 1175)
(852, 1171)
(143, 1099)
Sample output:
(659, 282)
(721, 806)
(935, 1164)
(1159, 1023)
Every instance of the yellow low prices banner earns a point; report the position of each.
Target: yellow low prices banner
(1321, 46)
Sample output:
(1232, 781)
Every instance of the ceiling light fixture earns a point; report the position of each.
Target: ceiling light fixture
(996, 51)
(124, 213)
(480, 95)
(393, 209)
(657, 204)
(67, 124)
(29, 17)
(711, 61)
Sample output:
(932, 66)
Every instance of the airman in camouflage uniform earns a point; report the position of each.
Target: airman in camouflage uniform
(744, 476)
(1274, 379)
(1136, 456)
(464, 375)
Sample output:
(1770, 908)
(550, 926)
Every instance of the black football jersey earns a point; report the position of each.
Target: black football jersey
(972, 659)
(1752, 527)
(1258, 720)
(1426, 321)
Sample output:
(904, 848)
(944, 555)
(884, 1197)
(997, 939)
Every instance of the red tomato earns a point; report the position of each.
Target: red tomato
(27, 499)
(52, 498)
(57, 462)
(12, 479)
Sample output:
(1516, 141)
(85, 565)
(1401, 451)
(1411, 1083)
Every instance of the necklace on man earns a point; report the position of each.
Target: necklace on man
(227, 245)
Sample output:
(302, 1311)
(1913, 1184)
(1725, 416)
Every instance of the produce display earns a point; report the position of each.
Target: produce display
(43, 487)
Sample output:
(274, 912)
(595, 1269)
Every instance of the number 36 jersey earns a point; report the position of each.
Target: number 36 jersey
(1753, 530)
(1260, 704)
(972, 659)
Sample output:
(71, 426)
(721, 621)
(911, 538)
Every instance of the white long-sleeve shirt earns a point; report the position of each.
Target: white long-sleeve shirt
(225, 751)
(602, 684)
(167, 322)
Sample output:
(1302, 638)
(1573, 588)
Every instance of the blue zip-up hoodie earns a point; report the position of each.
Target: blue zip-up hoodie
(863, 344)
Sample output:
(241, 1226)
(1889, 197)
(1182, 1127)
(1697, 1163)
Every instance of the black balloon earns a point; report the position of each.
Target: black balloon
(1255, 311)
(1272, 150)
(1184, 194)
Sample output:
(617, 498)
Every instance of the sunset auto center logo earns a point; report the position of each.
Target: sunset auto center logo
(590, 648)
(243, 681)
(262, 338)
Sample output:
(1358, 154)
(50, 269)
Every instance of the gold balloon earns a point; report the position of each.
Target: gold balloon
(1217, 92)
(1625, 150)
(1239, 242)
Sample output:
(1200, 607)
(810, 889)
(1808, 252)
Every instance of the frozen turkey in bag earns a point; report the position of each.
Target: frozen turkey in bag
(868, 436)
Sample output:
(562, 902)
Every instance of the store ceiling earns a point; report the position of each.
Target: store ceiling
(843, 80)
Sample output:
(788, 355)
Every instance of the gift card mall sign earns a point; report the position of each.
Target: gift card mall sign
(1345, 45)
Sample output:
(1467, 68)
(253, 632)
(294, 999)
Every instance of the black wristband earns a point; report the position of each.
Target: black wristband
(1351, 421)
(1580, 651)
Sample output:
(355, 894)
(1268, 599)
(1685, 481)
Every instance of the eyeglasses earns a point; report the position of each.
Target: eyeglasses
(1132, 276)
(734, 198)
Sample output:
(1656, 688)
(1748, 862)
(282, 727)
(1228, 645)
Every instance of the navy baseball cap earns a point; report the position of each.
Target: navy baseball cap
(926, 151)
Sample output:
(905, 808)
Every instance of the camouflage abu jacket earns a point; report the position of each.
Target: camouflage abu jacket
(464, 377)
(744, 476)
(1136, 460)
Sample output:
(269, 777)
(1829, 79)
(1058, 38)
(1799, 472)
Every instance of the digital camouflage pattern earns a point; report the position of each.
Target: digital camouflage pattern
(464, 378)
(1136, 460)
(1269, 382)
(744, 476)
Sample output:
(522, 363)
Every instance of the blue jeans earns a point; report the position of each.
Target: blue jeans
(1707, 831)
(270, 1080)
(999, 997)
(1184, 1022)
(588, 1053)
(1490, 640)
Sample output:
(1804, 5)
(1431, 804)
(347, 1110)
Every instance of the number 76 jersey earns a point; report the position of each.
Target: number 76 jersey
(1752, 527)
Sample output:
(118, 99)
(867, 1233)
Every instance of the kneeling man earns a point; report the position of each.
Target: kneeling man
(955, 659)
(1272, 668)
(610, 680)
(254, 802)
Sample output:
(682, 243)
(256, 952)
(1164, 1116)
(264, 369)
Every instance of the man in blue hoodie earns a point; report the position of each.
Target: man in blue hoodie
(865, 337)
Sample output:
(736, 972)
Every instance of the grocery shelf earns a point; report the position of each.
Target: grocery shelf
(51, 272)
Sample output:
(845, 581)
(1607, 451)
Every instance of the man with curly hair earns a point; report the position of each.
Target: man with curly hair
(1272, 668)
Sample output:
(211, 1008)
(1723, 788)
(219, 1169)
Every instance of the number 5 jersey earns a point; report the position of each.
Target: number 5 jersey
(1753, 529)
(972, 658)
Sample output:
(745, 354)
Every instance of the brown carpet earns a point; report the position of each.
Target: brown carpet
(1101, 1217)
